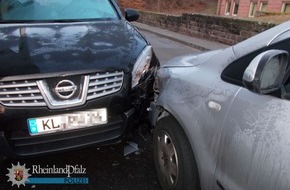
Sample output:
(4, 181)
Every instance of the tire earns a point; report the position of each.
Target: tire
(173, 157)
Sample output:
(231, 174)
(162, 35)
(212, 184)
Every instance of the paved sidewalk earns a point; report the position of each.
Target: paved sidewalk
(197, 43)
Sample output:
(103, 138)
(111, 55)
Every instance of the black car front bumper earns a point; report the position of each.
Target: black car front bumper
(20, 143)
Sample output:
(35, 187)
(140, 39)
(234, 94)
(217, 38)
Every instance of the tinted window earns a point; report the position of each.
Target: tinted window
(54, 10)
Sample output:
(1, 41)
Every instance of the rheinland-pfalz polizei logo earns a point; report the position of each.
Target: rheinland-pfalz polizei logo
(18, 175)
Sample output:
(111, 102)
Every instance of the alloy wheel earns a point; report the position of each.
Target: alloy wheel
(167, 158)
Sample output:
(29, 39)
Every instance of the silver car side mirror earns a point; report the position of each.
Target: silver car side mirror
(266, 71)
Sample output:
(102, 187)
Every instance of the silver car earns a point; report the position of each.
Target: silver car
(222, 118)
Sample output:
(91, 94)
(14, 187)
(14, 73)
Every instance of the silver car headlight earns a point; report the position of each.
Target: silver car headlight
(142, 65)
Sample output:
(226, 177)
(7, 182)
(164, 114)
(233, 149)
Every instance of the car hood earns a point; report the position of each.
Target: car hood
(60, 48)
(190, 60)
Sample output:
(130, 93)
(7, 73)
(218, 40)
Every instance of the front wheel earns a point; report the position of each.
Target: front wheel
(173, 157)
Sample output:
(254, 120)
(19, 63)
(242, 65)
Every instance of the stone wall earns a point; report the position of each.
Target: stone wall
(221, 29)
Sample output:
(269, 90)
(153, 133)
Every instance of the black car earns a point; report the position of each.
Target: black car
(72, 74)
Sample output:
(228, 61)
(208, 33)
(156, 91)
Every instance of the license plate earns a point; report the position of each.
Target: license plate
(75, 120)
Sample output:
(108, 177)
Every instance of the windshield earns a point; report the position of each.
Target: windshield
(55, 10)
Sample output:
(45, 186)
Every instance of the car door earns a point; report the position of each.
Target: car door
(255, 143)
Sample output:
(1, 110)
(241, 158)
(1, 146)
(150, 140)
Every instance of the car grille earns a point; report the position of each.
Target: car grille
(26, 93)
(102, 84)
(20, 93)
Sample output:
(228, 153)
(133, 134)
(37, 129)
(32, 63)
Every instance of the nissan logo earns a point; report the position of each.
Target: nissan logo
(65, 89)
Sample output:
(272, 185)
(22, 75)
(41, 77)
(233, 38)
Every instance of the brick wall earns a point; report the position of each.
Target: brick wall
(275, 6)
(221, 29)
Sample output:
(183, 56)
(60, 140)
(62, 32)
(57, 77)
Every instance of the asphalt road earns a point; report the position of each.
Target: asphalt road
(107, 167)
(166, 49)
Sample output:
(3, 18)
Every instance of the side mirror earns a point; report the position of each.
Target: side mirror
(266, 71)
(131, 14)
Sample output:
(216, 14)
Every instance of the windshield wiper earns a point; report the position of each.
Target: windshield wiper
(56, 21)
(67, 20)
(39, 21)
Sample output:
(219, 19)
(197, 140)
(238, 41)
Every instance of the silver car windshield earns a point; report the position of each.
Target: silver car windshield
(55, 10)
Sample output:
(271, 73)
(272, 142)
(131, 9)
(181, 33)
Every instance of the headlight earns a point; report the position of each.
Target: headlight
(142, 65)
